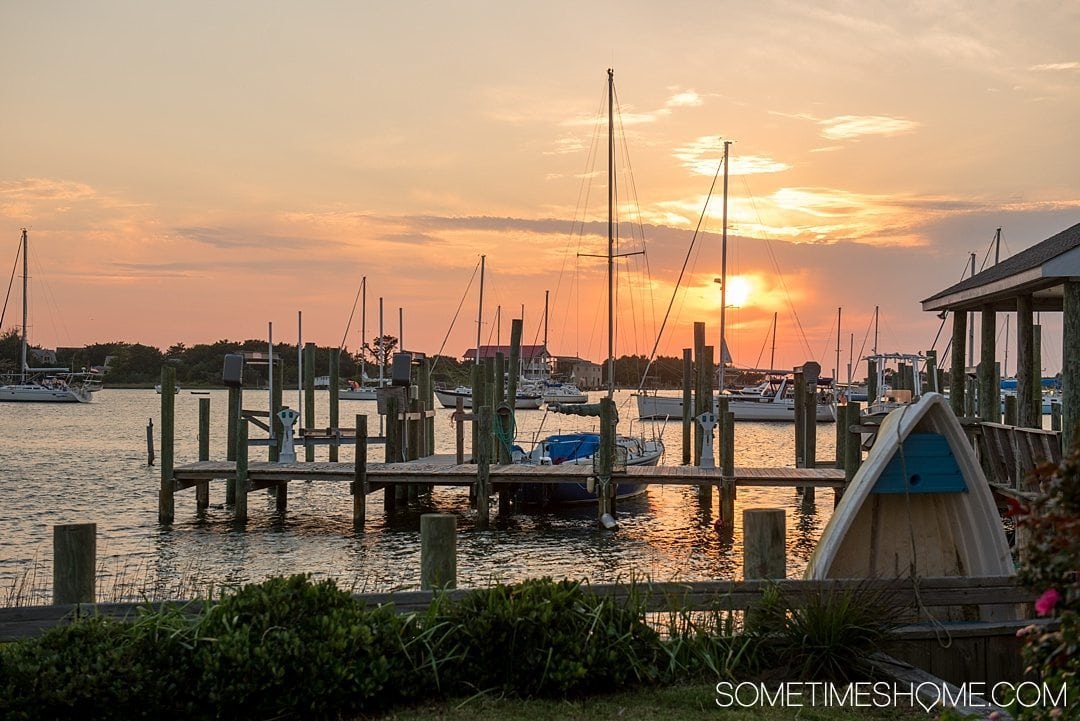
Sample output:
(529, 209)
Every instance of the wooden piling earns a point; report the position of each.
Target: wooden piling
(931, 383)
(764, 543)
(483, 466)
(958, 368)
(438, 551)
(1055, 415)
(800, 419)
(150, 442)
(335, 402)
(687, 404)
(841, 434)
(309, 397)
(1070, 369)
(359, 487)
(1011, 410)
(853, 444)
(699, 386)
(1036, 376)
(277, 430)
(232, 422)
(476, 381)
(240, 506)
(166, 507)
(873, 393)
(75, 562)
(459, 423)
(728, 491)
(202, 488)
(605, 456)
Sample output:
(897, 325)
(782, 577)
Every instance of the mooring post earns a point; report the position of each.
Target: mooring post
(360, 481)
(202, 488)
(853, 444)
(764, 543)
(957, 372)
(728, 490)
(392, 452)
(476, 378)
(459, 430)
(150, 442)
(166, 507)
(841, 432)
(1011, 410)
(1055, 416)
(274, 453)
(800, 420)
(483, 467)
(75, 562)
(687, 403)
(240, 508)
(309, 399)
(236, 399)
(335, 402)
(604, 460)
(438, 551)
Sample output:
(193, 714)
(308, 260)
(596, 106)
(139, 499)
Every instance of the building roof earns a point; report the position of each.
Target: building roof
(1041, 271)
(528, 352)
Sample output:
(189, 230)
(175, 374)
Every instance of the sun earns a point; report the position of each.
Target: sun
(739, 290)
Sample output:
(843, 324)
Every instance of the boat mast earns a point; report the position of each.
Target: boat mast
(611, 234)
(723, 275)
(772, 355)
(363, 327)
(480, 310)
(836, 371)
(25, 305)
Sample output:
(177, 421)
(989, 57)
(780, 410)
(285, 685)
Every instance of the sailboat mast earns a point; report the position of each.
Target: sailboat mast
(772, 355)
(611, 234)
(25, 306)
(723, 274)
(363, 327)
(480, 310)
(836, 371)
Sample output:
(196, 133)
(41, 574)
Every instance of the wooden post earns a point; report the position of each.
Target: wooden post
(75, 561)
(459, 427)
(1027, 414)
(438, 551)
(605, 456)
(841, 434)
(687, 404)
(335, 402)
(931, 383)
(728, 490)
(1036, 376)
(853, 445)
(166, 507)
(275, 407)
(514, 369)
(483, 466)
(476, 379)
(232, 422)
(873, 393)
(800, 419)
(811, 371)
(764, 543)
(202, 488)
(309, 398)
(413, 433)
(150, 442)
(989, 393)
(240, 508)
(427, 398)
(1070, 365)
(958, 368)
(699, 386)
(1011, 404)
(360, 480)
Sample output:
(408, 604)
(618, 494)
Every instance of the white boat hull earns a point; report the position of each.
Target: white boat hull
(33, 393)
(361, 394)
(918, 506)
(448, 399)
(655, 407)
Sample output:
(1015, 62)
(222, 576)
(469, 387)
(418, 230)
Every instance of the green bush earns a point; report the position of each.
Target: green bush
(1051, 570)
(290, 646)
(543, 638)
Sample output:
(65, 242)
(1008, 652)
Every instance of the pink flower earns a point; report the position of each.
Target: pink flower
(1045, 605)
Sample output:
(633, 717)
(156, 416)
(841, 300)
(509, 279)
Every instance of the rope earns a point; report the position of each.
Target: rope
(11, 283)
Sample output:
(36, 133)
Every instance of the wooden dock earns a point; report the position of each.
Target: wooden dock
(431, 472)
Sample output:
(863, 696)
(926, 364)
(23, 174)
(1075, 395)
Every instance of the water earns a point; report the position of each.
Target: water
(80, 463)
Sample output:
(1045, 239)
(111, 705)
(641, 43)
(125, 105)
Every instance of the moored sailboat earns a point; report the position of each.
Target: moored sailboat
(44, 385)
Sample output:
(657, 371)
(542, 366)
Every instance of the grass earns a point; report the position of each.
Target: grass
(676, 703)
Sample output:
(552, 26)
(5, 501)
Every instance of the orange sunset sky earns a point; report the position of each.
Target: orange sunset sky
(193, 171)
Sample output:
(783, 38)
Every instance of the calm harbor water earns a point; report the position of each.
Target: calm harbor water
(79, 463)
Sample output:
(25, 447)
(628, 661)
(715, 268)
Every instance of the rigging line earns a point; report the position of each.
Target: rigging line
(682, 271)
(776, 267)
(454, 320)
(352, 312)
(11, 284)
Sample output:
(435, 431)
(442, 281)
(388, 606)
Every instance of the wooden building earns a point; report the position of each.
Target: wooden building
(1044, 278)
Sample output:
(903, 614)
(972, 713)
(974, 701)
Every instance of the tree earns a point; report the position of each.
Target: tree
(380, 350)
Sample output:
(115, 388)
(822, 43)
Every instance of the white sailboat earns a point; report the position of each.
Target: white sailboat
(44, 385)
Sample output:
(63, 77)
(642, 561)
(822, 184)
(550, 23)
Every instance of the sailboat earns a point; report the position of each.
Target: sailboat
(44, 385)
(368, 388)
(579, 448)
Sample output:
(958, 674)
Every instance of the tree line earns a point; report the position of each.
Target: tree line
(201, 364)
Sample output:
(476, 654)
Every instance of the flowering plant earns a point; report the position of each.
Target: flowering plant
(1048, 529)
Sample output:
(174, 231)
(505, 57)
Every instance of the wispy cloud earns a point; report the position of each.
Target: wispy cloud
(684, 99)
(1073, 66)
(703, 156)
(847, 127)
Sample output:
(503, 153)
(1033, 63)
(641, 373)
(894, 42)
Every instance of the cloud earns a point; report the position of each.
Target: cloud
(684, 99)
(847, 127)
(41, 189)
(703, 156)
(1057, 67)
(231, 238)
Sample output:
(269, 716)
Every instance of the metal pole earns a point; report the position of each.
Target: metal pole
(723, 270)
(611, 235)
(300, 364)
(480, 310)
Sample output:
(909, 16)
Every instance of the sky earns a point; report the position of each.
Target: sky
(197, 171)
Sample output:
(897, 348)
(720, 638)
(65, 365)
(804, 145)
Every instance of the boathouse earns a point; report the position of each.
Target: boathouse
(1044, 278)
(535, 359)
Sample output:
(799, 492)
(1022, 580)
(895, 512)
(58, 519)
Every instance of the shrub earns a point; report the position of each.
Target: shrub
(289, 646)
(1050, 569)
(544, 638)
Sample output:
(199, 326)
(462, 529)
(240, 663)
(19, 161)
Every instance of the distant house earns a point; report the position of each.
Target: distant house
(585, 374)
(535, 359)
(41, 357)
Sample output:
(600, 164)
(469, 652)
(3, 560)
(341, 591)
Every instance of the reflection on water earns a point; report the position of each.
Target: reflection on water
(87, 463)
